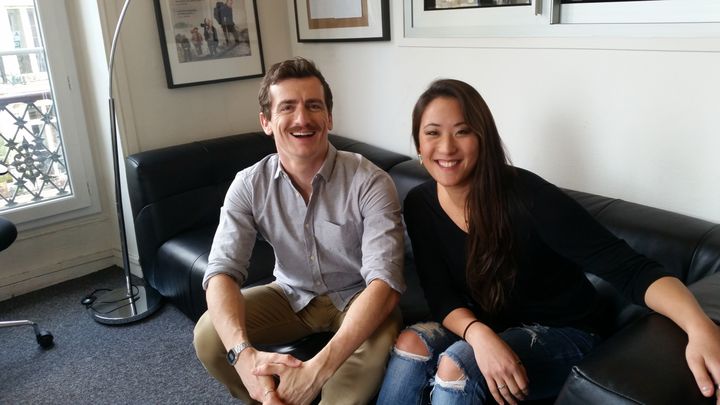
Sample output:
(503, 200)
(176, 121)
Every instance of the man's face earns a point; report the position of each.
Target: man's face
(299, 121)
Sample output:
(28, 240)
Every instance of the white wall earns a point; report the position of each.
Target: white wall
(150, 116)
(162, 116)
(639, 125)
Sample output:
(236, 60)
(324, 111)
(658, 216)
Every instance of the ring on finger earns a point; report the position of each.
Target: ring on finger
(502, 386)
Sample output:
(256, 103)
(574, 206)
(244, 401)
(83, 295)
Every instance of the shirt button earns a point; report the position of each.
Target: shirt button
(312, 257)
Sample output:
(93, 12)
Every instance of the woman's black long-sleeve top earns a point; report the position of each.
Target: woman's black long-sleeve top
(557, 242)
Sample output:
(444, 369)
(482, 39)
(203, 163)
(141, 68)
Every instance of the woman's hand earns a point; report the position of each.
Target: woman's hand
(503, 371)
(703, 357)
(669, 297)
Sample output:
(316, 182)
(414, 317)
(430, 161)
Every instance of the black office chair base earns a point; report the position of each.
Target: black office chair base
(43, 337)
(115, 307)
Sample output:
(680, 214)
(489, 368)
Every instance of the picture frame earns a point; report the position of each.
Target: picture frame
(342, 20)
(209, 41)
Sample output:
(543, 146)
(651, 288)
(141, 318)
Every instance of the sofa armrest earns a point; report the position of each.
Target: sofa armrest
(643, 363)
(707, 292)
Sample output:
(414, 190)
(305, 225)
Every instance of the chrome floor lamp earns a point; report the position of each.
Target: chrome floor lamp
(132, 302)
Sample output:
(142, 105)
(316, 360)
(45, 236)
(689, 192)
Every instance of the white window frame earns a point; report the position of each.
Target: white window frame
(469, 22)
(642, 12)
(53, 18)
(549, 20)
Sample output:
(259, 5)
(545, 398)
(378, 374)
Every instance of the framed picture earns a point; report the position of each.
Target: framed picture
(342, 20)
(209, 41)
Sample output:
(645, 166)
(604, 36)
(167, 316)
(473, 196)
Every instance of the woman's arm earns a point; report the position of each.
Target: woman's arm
(668, 296)
(567, 228)
(503, 371)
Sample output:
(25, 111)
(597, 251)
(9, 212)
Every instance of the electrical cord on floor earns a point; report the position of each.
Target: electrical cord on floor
(90, 299)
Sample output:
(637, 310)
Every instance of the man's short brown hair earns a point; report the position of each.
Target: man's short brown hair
(296, 68)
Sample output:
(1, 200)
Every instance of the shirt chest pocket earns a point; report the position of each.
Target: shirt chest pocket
(336, 237)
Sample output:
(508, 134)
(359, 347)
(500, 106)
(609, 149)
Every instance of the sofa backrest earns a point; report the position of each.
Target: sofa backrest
(688, 247)
(179, 188)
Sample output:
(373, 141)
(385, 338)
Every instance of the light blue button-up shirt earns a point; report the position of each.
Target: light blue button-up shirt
(348, 234)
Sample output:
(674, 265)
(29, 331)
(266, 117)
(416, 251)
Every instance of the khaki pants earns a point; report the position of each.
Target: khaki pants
(271, 320)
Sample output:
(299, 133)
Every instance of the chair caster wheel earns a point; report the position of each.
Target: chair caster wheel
(45, 339)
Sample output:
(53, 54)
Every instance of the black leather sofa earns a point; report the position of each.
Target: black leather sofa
(176, 193)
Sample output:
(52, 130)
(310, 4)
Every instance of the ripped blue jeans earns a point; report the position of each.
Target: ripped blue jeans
(547, 354)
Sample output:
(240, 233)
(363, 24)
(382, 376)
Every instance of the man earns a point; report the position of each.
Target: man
(333, 219)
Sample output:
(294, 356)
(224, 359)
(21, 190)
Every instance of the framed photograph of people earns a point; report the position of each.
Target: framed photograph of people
(209, 41)
(342, 20)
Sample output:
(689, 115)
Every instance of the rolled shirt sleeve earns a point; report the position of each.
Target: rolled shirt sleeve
(383, 231)
(236, 233)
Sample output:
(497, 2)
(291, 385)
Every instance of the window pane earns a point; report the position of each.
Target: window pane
(600, 1)
(451, 4)
(646, 12)
(31, 146)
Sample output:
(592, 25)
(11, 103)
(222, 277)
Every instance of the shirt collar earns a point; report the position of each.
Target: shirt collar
(325, 171)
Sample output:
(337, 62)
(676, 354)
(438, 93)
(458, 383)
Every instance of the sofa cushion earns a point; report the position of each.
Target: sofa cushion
(707, 292)
(382, 158)
(407, 175)
(705, 261)
(175, 259)
(190, 250)
(641, 364)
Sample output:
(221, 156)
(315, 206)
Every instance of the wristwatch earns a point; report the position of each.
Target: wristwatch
(234, 352)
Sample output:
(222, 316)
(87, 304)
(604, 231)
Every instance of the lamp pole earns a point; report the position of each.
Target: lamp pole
(132, 302)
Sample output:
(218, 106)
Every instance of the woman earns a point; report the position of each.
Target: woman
(501, 255)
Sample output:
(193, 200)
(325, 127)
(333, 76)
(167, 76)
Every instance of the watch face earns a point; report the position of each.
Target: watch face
(234, 352)
(231, 357)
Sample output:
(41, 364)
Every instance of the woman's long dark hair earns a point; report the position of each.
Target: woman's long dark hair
(490, 269)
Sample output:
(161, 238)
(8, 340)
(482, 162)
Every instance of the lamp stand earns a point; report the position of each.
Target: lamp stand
(132, 302)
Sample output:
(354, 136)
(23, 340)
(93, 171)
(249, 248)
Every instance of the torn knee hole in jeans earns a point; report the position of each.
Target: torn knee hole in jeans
(457, 384)
(424, 331)
(451, 385)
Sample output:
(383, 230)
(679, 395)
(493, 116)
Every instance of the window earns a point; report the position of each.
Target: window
(639, 11)
(445, 4)
(43, 136)
(561, 18)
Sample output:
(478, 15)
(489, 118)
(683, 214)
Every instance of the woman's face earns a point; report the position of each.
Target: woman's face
(448, 147)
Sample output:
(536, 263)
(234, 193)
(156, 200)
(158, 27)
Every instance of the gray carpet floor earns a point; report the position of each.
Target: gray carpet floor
(151, 361)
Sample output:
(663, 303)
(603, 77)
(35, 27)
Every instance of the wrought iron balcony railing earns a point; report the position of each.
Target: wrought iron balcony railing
(31, 148)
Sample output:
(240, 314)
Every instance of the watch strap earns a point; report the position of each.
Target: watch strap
(234, 352)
